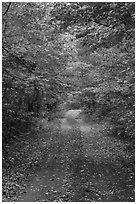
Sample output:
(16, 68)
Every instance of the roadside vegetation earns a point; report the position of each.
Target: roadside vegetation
(61, 56)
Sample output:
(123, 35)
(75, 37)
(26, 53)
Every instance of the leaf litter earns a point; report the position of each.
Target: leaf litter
(75, 166)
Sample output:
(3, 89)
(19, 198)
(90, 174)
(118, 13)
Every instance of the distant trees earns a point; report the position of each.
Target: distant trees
(105, 36)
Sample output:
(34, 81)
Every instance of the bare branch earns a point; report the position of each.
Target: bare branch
(6, 9)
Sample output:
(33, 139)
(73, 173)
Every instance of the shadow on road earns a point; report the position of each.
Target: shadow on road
(76, 168)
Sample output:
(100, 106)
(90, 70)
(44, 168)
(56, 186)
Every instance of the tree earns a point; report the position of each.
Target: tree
(105, 42)
(96, 22)
(32, 63)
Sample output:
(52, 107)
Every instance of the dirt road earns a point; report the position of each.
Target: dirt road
(82, 164)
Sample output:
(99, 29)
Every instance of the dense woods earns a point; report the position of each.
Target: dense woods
(58, 56)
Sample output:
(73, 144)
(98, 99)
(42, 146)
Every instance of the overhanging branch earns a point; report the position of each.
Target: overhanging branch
(20, 60)
(6, 9)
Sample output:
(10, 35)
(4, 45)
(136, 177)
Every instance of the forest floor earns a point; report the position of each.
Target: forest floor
(70, 164)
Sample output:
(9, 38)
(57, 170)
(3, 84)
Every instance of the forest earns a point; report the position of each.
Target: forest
(68, 101)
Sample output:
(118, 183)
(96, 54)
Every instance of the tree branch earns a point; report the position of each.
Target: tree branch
(13, 75)
(100, 24)
(20, 60)
(6, 9)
